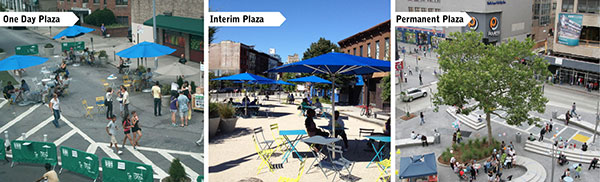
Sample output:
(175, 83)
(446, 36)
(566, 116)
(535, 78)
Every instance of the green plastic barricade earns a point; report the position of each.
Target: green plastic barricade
(200, 179)
(2, 150)
(78, 46)
(27, 50)
(79, 161)
(33, 152)
(115, 170)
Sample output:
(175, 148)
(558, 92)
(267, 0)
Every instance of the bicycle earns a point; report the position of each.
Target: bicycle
(366, 111)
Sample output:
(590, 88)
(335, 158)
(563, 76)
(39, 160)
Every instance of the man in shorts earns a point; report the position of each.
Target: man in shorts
(183, 106)
(111, 127)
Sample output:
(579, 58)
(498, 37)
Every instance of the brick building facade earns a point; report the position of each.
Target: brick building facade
(82, 8)
(374, 43)
(228, 57)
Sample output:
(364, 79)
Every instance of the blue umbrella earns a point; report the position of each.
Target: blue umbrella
(19, 62)
(145, 49)
(336, 63)
(244, 77)
(73, 31)
(311, 79)
(281, 82)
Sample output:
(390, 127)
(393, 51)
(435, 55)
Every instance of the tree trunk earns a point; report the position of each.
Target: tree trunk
(489, 128)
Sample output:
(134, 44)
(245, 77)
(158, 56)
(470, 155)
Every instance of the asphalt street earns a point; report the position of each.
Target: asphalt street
(160, 143)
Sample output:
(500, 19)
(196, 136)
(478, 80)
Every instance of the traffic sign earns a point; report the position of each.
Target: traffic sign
(27, 50)
(78, 46)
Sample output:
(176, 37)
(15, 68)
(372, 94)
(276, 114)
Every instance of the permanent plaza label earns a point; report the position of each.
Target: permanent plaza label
(246, 19)
(429, 19)
(37, 19)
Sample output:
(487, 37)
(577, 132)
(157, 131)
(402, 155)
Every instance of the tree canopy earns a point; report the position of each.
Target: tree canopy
(491, 78)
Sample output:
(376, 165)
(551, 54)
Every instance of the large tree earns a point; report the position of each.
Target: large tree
(491, 78)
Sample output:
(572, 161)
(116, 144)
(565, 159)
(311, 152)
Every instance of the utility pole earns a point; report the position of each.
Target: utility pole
(552, 161)
(154, 30)
(597, 120)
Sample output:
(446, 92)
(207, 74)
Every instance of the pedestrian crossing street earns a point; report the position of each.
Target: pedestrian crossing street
(158, 158)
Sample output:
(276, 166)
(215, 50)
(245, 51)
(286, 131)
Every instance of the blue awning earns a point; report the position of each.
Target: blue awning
(417, 166)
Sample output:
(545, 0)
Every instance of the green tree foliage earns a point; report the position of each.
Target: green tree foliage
(493, 77)
(386, 89)
(176, 171)
(99, 17)
(211, 33)
(288, 76)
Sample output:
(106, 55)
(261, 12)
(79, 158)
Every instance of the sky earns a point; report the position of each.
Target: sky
(306, 21)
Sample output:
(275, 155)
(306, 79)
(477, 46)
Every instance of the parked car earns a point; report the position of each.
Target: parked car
(413, 93)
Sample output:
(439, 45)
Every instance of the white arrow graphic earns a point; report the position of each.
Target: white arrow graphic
(245, 19)
(431, 19)
(37, 19)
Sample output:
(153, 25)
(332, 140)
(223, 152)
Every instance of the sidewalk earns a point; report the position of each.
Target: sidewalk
(113, 45)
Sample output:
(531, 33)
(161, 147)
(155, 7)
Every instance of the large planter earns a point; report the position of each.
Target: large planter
(213, 126)
(187, 179)
(49, 51)
(227, 125)
(103, 60)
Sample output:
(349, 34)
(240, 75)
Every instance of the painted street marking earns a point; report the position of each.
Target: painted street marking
(531, 127)
(64, 137)
(559, 132)
(19, 118)
(109, 151)
(192, 173)
(161, 174)
(198, 155)
(4, 101)
(91, 148)
(36, 128)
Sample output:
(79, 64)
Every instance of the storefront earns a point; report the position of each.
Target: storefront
(572, 72)
(420, 36)
(183, 34)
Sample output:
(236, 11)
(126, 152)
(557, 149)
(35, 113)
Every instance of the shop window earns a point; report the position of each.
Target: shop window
(120, 2)
(174, 38)
(567, 6)
(196, 42)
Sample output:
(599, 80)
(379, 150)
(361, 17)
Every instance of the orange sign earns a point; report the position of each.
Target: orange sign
(473, 24)
(494, 23)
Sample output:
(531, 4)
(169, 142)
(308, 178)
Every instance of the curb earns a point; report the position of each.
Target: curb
(593, 93)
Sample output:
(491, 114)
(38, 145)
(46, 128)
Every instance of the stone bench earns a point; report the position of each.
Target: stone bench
(575, 155)
(535, 170)
(586, 125)
(410, 141)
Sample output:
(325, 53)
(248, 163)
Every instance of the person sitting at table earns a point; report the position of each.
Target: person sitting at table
(121, 65)
(304, 105)
(72, 54)
(24, 88)
(8, 90)
(245, 100)
(85, 55)
(387, 130)
(290, 98)
(318, 106)
(311, 127)
(339, 129)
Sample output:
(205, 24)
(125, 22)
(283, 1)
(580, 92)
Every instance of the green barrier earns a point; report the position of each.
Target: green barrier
(200, 179)
(27, 50)
(78, 46)
(2, 150)
(115, 170)
(79, 161)
(33, 152)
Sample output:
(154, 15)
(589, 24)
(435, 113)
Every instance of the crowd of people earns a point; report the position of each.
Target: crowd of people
(501, 159)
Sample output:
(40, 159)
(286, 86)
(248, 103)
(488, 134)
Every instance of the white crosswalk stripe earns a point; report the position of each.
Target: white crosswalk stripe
(36, 128)
(19, 118)
(192, 173)
(161, 174)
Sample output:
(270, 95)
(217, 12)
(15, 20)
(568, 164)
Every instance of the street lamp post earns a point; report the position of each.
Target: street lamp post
(552, 161)
(154, 30)
(597, 120)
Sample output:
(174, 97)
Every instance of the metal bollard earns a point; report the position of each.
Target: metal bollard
(45, 137)
(6, 142)
(23, 136)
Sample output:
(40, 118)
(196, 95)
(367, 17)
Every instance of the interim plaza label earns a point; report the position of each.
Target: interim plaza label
(429, 19)
(246, 19)
(37, 19)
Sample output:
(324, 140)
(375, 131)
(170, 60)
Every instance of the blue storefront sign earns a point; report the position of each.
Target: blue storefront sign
(569, 28)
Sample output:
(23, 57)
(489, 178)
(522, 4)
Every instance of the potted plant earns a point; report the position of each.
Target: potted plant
(228, 119)
(49, 49)
(176, 173)
(102, 56)
(214, 119)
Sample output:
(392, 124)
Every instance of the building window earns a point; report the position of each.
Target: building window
(438, 10)
(96, 1)
(361, 51)
(369, 50)
(196, 42)
(123, 20)
(410, 9)
(174, 38)
(376, 49)
(588, 6)
(354, 51)
(120, 2)
(567, 6)
(387, 49)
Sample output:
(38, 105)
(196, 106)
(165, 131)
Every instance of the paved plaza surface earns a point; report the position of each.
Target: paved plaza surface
(560, 98)
(233, 157)
(160, 143)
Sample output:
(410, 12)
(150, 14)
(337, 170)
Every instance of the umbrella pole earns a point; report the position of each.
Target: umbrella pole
(333, 108)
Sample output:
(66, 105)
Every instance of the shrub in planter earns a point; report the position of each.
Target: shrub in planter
(165, 89)
(99, 17)
(176, 173)
(1, 50)
(103, 54)
(214, 119)
(228, 119)
(48, 45)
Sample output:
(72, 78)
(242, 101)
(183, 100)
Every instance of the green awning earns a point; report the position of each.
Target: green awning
(182, 24)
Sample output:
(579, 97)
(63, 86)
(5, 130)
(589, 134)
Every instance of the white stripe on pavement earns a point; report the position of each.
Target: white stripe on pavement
(161, 150)
(109, 151)
(19, 118)
(64, 137)
(192, 173)
(36, 128)
(161, 174)
(91, 148)
(4, 101)
(557, 134)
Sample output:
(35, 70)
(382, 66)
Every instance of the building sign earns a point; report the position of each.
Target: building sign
(494, 24)
(569, 28)
(473, 24)
(495, 2)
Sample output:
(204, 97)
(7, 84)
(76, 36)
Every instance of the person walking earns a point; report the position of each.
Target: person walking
(405, 78)
(567, 118)
(593, 164)
(173, 108)
(125, 100)
(573, 113)
(422, 119)
(111, 128)
(136, 130)
(550, 126)
(183, 105)
(420, 79)
(157, 102)
(50, 175)
(409, 70)
(578, 171)
(103, 30)
(127, 131)
(542, 132)
(108, 102)
(120, 99)
(458, 136)
(54, 105)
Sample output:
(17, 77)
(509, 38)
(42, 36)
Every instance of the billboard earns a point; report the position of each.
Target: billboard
(569, 28)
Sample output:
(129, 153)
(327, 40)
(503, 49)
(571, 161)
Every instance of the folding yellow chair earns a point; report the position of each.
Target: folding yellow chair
(105, 84)
(127, 84)
(88, 109)
(126, 78)
(265, 156)
(100, 103)
(300, 172)
(281, 145)
(383, 166)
